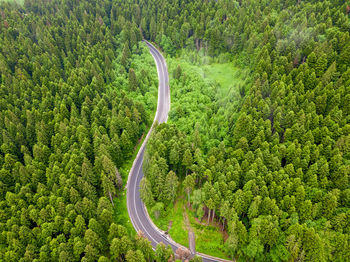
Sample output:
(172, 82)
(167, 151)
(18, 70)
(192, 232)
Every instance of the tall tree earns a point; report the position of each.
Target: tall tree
(133, 85)
(146, 191)
(171, 185)
(187, 160)
(188, 184)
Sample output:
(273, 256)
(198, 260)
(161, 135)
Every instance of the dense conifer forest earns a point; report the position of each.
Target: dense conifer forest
(71, 114)
(77, 92)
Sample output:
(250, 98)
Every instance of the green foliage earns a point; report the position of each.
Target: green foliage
(132, 80)
(69, 123)
(158, 210)
(196, 259)
(171, 185)
(270, 157)
(146, 192)
(188, 185)
(164, 253)
(173, 215)
(167, 45)
(271, 154)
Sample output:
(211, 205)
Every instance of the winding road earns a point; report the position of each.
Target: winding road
(137, 211)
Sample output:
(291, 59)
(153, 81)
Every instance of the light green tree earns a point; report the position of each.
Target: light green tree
(188, 184)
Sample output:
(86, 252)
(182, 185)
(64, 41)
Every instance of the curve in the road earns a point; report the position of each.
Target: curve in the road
(136, 209)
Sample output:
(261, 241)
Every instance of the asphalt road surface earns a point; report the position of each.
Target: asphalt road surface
(137, 213)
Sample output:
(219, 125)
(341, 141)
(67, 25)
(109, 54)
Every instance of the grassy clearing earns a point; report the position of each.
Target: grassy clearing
(121, 213)
(218, 72)
(209, 239)
(162, 222)
(228, 78)
(173, 213)
(178, 230)
(225, 74)
(208, 94)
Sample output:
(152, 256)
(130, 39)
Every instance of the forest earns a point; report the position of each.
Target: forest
(270, 162)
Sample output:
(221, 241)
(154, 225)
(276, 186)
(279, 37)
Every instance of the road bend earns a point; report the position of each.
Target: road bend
(136, 209)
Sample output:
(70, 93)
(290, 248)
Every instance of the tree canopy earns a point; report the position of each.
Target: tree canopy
(271, 163)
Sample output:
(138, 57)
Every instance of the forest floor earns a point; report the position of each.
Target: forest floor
(209, 239)
(191, 236)
(173, 216)
(227, 76)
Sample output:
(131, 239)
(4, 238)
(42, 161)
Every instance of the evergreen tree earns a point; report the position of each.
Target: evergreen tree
(146, 191)
(133, 85)
(189, 186)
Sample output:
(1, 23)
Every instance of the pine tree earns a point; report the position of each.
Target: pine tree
(125, 56)
(187, 160)
(188, 184)
(108, 187)
(171, 185)
(146, 191)
(178, 72)
(133, 85)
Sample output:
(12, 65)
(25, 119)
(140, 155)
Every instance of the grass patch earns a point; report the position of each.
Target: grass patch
(173, 213)
(225, 74)
(163, 221)
(178, 230)
(209, 239)
(121, 213)
(225, 77)
(228, 78)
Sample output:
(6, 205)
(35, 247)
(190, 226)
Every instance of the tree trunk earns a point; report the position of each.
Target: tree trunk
(213, 215)
(188, 194)
(208, 215)
(110, 197)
